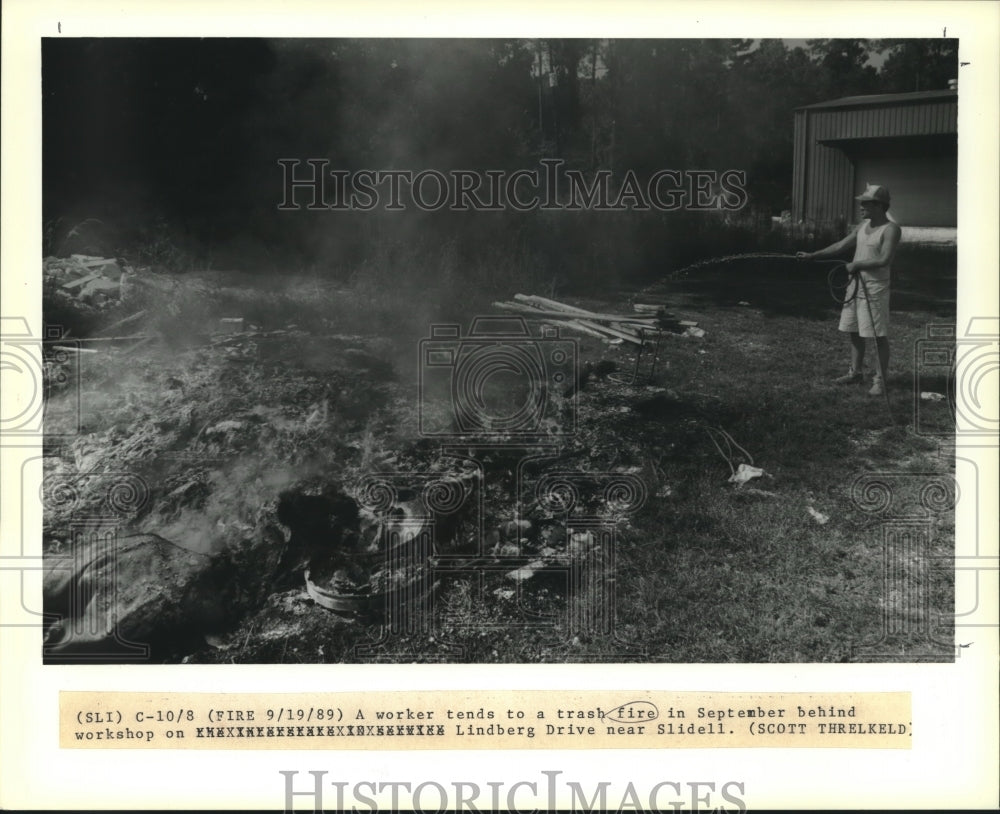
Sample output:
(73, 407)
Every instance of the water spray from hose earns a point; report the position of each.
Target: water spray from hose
(835, 266)
(729, 258)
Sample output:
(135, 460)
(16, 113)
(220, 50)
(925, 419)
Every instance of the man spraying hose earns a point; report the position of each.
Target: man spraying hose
(866, 307)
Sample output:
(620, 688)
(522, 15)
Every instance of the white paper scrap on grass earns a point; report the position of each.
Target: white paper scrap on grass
(745, 473)
(819, 517)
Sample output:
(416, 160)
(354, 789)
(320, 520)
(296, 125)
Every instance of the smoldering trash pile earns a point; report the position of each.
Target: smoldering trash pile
(265, 495)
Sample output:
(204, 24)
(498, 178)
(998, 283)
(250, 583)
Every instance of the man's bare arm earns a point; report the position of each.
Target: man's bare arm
(832, 250)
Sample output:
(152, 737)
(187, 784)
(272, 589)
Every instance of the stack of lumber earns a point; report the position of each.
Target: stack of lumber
(610, 327)
(667, 321)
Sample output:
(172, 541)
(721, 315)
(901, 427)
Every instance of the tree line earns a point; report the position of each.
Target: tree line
(192, 130)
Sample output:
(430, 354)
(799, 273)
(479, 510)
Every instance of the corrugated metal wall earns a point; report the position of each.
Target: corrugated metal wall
(875, 121)
(823, 175)
(799, 152)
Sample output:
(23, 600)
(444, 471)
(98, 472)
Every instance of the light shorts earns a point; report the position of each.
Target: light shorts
(856, 319)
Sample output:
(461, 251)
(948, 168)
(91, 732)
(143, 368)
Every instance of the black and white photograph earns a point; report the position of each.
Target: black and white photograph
(482, 350)
(365, 354)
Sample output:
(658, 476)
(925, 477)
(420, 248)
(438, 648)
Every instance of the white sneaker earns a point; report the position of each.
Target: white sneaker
(852, 377)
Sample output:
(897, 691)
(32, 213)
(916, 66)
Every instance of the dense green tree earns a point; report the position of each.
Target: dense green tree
(196, 127)
(766, 84)
(844, 68)
(915, 65)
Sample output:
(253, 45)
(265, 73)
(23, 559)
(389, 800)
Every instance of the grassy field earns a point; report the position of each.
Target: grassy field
(710, 572)
(806, 563)
(749, 574)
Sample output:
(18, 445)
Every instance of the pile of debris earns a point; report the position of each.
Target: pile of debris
(636, 328)
(88, 292)
(94, 283)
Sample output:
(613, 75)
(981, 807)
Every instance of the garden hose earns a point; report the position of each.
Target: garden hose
(844, 300)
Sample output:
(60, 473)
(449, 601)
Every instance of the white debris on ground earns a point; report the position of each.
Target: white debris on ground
(526, 571)
(80, 278)
(819, 517)
(745, 473)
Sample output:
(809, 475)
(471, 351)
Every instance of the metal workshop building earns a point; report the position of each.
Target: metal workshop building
(907, 142)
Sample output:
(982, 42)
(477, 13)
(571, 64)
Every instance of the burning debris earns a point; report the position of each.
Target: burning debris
(260, 448)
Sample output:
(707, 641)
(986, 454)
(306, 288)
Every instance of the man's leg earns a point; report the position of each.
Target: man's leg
(857, 353)
(882, 346)
(879, 310)
(882, 343)
(857, 360)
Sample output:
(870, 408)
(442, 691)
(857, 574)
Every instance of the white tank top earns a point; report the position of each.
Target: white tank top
(869, 245)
